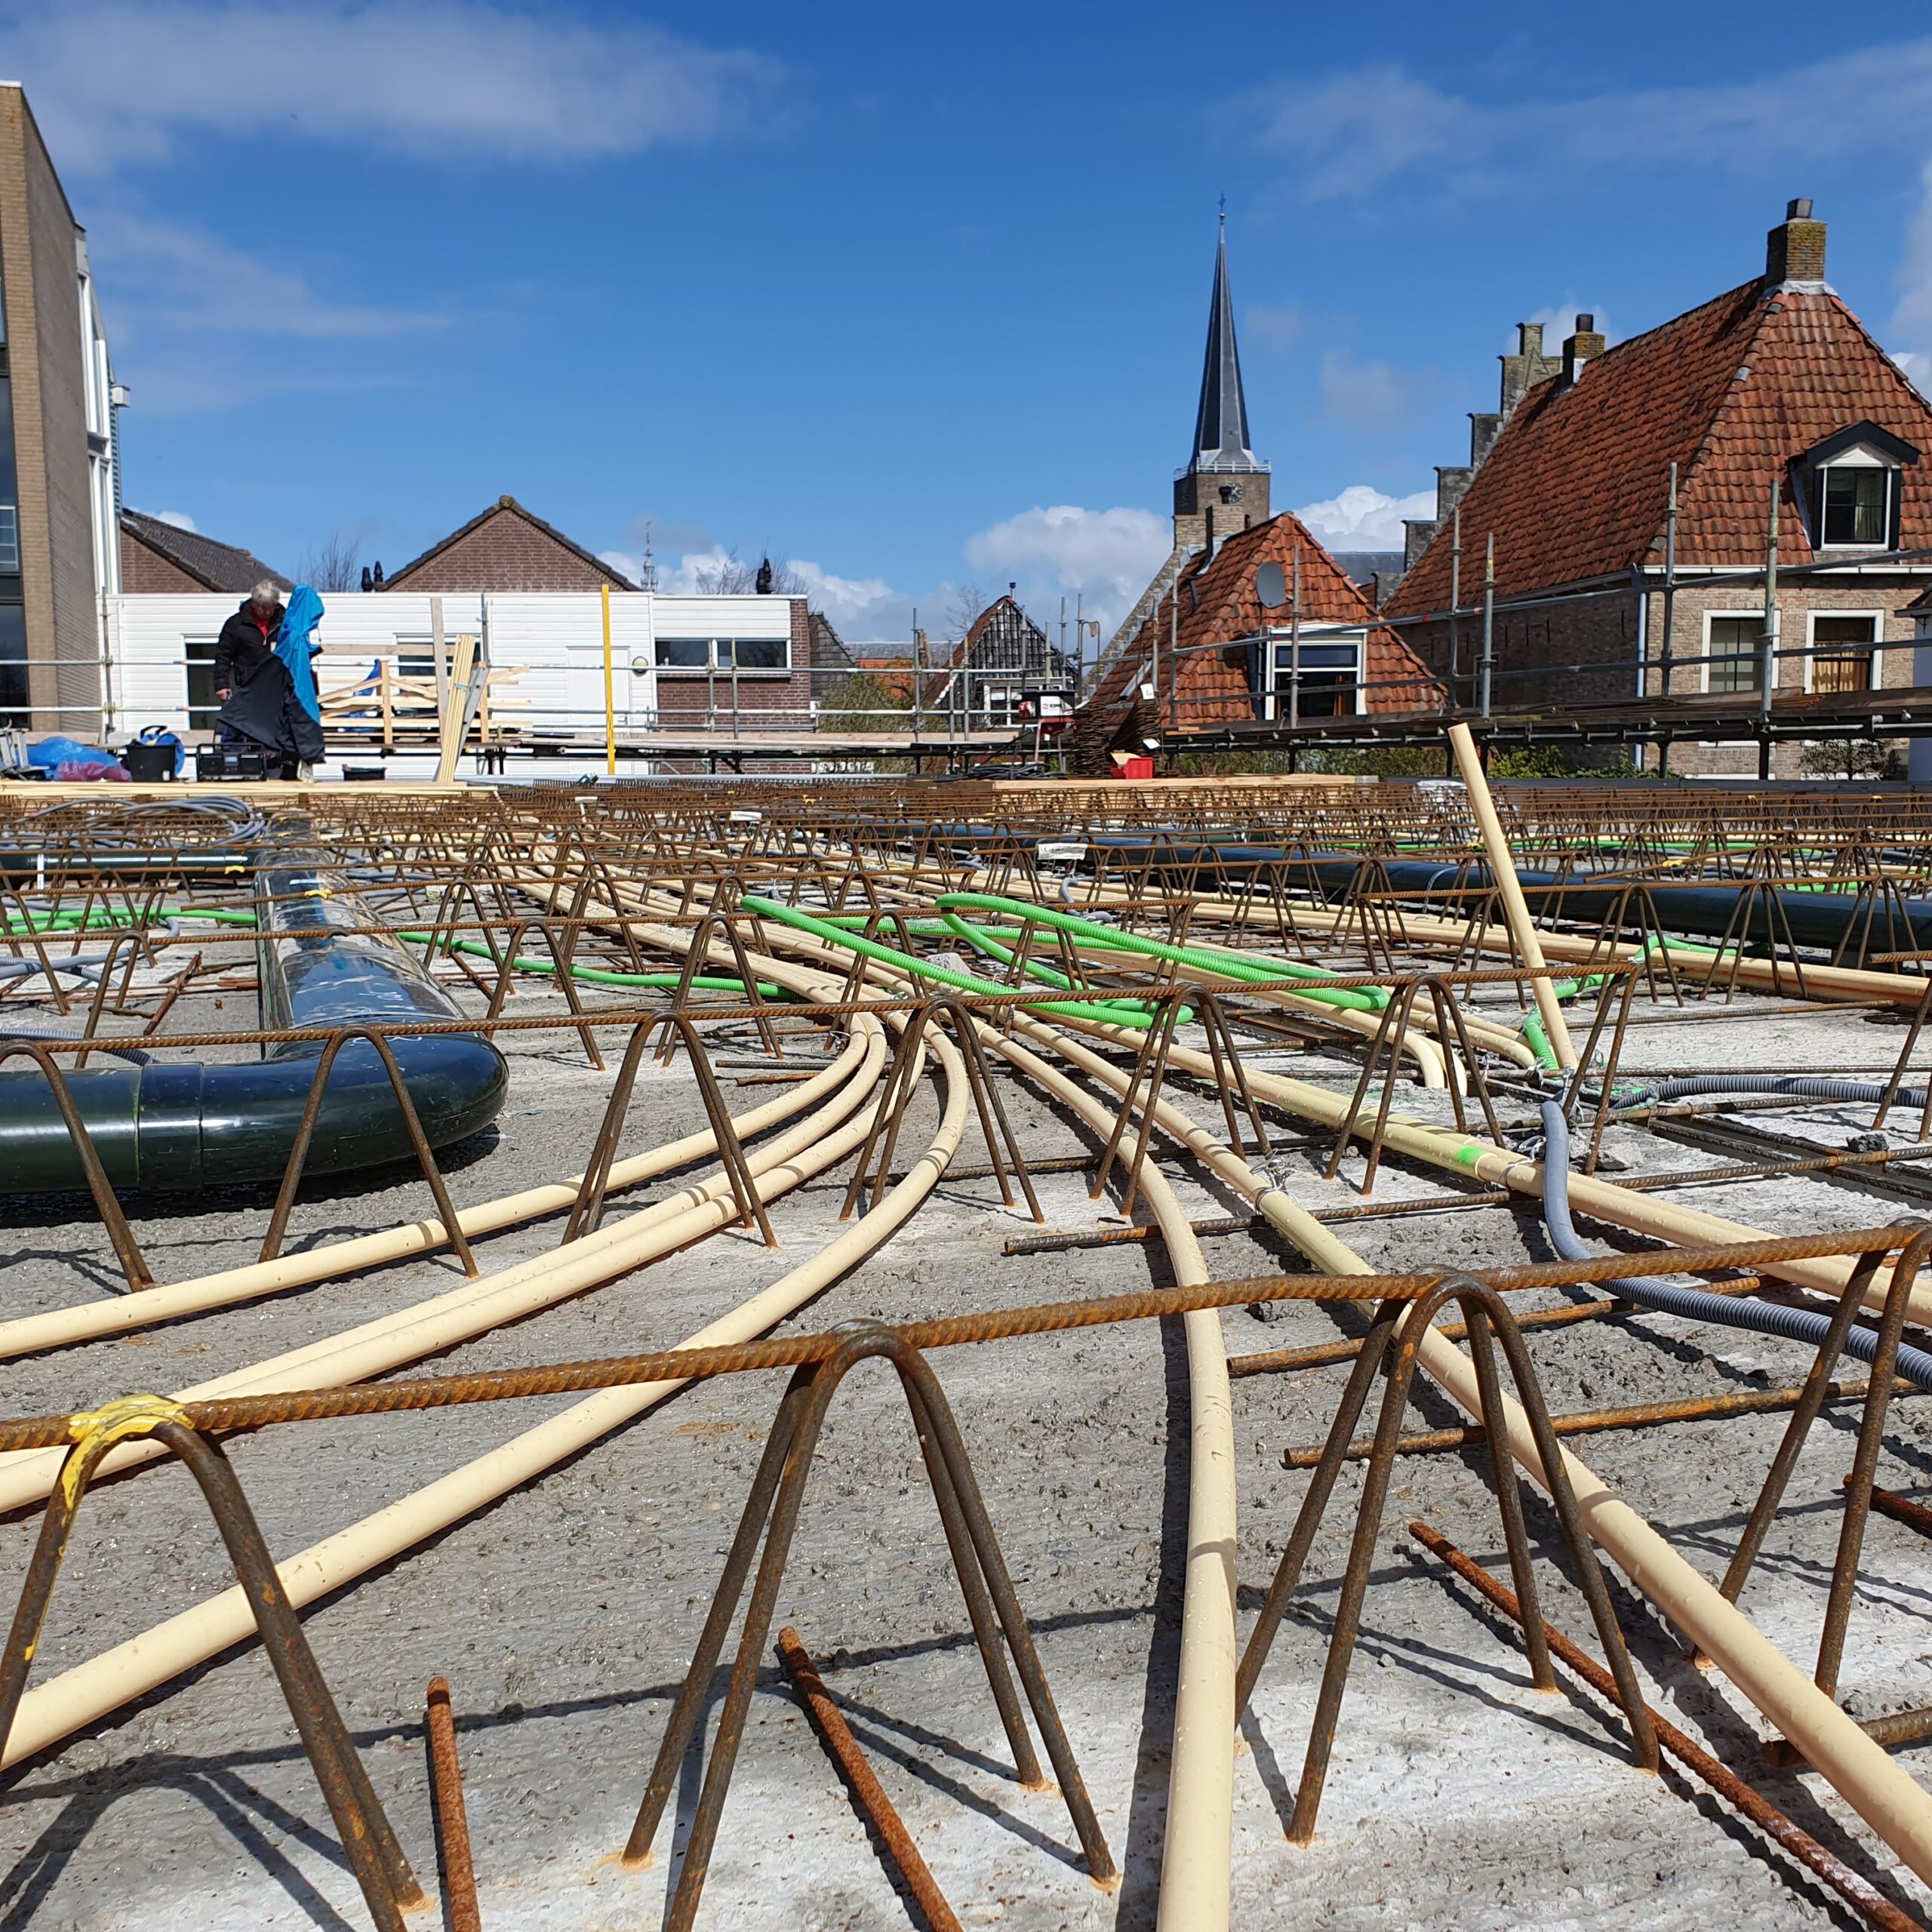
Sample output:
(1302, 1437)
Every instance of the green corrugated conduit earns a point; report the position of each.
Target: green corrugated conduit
(1110, 1012)
(1215, 959)
(594, 975)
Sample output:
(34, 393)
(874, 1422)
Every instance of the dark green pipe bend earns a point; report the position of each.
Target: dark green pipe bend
(183, 1126)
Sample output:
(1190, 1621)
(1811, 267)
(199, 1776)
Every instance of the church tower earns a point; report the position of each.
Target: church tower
(1224, 487)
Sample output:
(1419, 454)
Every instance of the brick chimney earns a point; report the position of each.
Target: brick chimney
(1582, 347)
(1795, 249)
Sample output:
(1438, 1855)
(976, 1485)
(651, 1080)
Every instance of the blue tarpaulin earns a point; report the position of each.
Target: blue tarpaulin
(295, 646)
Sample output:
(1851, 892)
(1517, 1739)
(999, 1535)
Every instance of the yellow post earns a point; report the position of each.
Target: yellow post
(610, 696)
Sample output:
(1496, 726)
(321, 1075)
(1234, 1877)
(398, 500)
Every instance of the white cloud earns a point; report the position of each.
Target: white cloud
(1371, 396)
(1351, 133)
(441, 79)
(176, 277)
(859, 607)
(1911, 320)
(862, 609)
(1279, 324)
(200, 326)
(1105, 556)
(685, 578)
(1361, 518)
(180, 519)
(1359, 129)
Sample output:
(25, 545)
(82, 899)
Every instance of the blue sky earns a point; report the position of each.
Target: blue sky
(914, 297)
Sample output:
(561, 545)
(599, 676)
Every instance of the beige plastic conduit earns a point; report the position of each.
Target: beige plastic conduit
(1821, 982)
(408, 1334)
(117, 1314)
(1502, 870)
(90, 1690)
(1199, 1847)
(1485, 1033)
(1478, 1160)
(1882, 1792)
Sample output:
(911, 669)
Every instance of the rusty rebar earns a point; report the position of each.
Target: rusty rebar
(1320, 1355)
(376, 1857)
(464, 1914)
(1857, 1890)
(867, 1792)
(1900, 1508)
(1587, 1422)
(244, 1412)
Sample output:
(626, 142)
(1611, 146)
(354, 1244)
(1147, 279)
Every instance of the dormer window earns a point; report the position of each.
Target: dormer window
(1855, 506)
(1850, 487)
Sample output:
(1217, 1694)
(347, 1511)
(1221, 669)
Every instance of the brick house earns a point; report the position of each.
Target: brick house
(757, 677)
(1003, 659)
(1266, 627)
(161, 559)
(1773, 385)
(507, 547)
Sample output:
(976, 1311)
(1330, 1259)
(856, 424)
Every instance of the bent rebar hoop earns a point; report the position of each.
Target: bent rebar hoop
(777, 1495)
(388, 1885)
(127, 1250)
(586, 1212)
(298, 1154)
(1871, 1439)
(1401, 1327)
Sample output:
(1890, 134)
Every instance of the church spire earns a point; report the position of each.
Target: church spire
(1224, 487)
(1220, 424)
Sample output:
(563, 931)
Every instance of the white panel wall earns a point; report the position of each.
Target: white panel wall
(555, 641)
(724, 616)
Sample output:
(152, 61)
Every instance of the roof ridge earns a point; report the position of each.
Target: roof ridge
(1533, 418)
(507, 502)
(1778, 305)
(189, 551)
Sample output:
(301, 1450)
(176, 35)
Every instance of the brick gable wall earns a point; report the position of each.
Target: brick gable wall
(505, 552)
(146, 572)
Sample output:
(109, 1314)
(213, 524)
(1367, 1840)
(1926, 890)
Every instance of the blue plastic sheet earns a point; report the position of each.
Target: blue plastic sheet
(296, 645)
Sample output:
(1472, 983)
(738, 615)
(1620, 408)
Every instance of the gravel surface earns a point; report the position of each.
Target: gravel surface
(563, 1616)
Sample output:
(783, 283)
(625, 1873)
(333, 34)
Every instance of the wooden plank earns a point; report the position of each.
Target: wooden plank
(455, 714)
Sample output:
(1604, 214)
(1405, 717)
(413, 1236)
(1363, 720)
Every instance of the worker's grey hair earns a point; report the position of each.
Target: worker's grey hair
(267, 592)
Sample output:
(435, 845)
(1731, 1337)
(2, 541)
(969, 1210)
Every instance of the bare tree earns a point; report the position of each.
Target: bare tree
(967, 601)
(335, 564)
(732, 577)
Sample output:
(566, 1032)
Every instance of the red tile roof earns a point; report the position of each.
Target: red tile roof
(1216, 603)
(1577, 485)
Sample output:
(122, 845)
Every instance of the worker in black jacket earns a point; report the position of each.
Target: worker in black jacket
(247, 639)
(260, 711)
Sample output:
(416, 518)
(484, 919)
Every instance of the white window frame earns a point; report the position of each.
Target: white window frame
(202, 649)
(1756, 616)
(1279, 646)
(713, 668)
(1860, 456)
(1877, 620)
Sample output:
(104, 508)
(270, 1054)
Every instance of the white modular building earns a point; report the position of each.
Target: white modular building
(691, 655)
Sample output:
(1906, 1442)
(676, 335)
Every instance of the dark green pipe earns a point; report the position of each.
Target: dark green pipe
(186, 1126)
